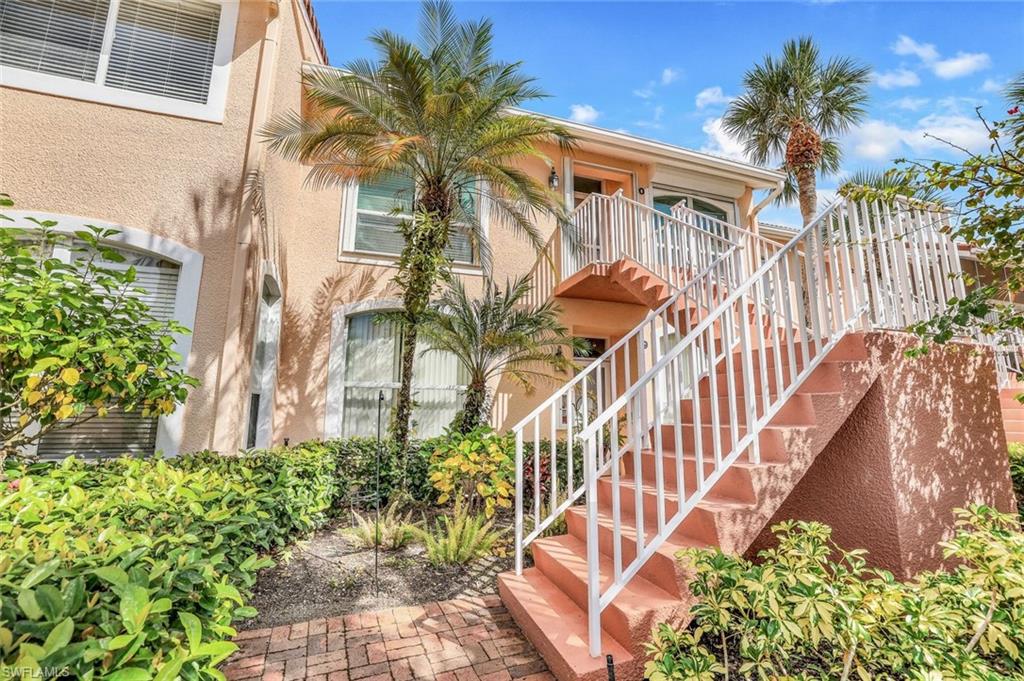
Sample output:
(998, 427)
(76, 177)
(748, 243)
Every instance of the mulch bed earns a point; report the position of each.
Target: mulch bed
(327, 575)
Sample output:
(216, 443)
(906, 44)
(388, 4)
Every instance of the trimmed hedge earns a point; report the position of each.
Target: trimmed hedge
(135, 569)
(1017, 473)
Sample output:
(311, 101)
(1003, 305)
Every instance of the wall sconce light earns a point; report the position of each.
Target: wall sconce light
(553, 179)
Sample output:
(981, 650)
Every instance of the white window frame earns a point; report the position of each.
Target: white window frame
(334, 412)
(96, 91)
(347, 251)
(266, 381)
(170, 427)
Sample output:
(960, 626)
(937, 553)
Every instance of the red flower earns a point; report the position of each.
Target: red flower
(14, 485)
(1014, 111)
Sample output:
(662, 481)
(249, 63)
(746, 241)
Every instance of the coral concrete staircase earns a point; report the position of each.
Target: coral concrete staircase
(695, 426)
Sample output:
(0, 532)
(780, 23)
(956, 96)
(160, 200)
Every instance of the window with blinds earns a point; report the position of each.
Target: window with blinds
(372, 364)
(117, 50)
(382, 205)
(120, 432)
(59, 37)
(164, 48)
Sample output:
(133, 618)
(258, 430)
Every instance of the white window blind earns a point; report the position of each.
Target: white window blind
(372, 364)
(382, 205)
(59, 37)
(120, 432)
(169, 56)
(164, 48)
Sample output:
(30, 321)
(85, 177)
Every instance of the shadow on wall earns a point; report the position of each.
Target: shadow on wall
(926, 438)
(305, 347)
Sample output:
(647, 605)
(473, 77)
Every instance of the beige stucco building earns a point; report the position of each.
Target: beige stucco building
(165, 147)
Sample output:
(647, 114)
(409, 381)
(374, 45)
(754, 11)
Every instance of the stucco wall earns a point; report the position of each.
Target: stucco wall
(174, 177)
(926, 439)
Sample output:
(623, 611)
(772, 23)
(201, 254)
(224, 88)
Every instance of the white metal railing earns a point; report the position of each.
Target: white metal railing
(608, 228)
(547, 474)
(857, 265)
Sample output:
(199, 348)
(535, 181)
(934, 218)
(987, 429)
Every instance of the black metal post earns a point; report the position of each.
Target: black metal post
(611, 667)
(376, 526)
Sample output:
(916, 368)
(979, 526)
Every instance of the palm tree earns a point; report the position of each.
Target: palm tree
(792, 109)
(498, 334)
(438, 110)
(890, 182)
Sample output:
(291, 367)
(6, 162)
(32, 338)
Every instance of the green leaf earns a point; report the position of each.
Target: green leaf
(135, 606)
(113, 574)
(29, 606)
(40, 573)
(128, 674)
(193, 630)
(50, 601)
(59, 636)
(216, 651)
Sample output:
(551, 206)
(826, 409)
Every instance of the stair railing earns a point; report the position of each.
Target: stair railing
(608, 228)
(826, 282)
(546, 472)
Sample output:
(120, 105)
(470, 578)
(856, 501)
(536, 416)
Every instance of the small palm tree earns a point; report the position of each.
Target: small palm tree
(438, 110)
(498, 334)
(891, 182)
(792, 109)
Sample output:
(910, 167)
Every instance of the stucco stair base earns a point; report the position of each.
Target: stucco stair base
(549, 600)
(1013, 413)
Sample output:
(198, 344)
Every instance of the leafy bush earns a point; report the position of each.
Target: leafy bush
(75, 342)
(799, 613)
(459, 539)
(356, 457)
(131, 569)
(392, 532)
(474, 468)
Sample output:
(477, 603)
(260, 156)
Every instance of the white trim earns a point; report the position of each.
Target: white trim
(186, 297)
(96, 91)
(381, 260)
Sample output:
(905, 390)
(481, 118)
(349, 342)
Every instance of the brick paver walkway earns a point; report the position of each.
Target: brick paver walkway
(466, 639)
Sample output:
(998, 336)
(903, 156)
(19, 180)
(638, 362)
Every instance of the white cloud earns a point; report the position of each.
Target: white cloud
(911, 103)
(583, 113)
(963, 64)
(898, 78)
(721, 143)
(669, 75)
(877, 140)
(645, 92)
(712, 96)
(905, 45)
(993, 85)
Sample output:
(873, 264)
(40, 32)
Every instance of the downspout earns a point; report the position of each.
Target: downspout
(227, 403)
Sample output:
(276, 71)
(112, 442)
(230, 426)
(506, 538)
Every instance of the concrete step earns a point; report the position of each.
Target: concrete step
(557, 627)
(634, 611)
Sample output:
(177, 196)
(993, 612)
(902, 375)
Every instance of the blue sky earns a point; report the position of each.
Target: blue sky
(666, 70)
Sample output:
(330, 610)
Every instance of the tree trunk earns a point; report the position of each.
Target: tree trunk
(803, 156)
(474, 407)
(808, 191)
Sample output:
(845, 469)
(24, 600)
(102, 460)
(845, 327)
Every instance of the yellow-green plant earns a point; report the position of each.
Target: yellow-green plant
(459, 538)
(800, 612)
(392, 532)
(474, 468)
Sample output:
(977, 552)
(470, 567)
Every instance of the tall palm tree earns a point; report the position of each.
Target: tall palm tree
(497, 334)
(793, 108)
(438, 110)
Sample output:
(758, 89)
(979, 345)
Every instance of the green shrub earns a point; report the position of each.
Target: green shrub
(475, 468)
(356, 457)
(460, 538)
(799, 613)
(135, 569)
(392, 532)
